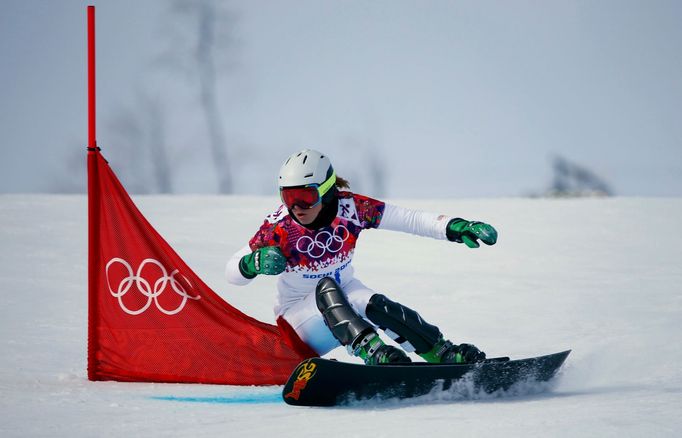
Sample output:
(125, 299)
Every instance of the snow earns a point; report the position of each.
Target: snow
(599, 276)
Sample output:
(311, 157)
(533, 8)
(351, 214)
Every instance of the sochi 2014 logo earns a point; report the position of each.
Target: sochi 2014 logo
(149, 292)
(323, 242)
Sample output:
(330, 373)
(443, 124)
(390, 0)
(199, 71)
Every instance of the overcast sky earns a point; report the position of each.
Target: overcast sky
(455, 99)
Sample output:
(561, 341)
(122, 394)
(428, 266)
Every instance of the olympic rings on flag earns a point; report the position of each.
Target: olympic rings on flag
(143, 286)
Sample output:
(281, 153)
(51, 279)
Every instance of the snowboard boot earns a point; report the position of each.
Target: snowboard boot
(445, 351)
(373, 351)
(350, 329)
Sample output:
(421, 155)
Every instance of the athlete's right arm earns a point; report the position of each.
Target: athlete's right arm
(267, 260)
(232, 271)
(262, 255)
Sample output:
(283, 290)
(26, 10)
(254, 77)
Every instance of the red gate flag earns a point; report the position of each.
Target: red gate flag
(152, 319)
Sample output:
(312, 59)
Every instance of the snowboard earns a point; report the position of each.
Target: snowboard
(324, 382)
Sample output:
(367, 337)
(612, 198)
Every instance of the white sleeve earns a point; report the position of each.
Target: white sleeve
(232, 272)
(416, 222)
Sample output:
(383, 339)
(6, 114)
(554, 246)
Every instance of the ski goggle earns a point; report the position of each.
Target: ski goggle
(307, 196)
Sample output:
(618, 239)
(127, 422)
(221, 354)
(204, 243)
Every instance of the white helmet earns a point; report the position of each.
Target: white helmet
(305, 167)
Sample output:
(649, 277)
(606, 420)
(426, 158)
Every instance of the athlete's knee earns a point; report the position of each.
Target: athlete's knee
(344, 322)
(407, 324)
(378, 301)
(326, 293)
(380, 307)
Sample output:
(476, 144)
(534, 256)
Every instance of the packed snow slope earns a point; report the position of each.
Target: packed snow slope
(600, 276)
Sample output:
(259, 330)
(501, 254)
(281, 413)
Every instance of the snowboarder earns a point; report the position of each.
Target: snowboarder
(309, 242)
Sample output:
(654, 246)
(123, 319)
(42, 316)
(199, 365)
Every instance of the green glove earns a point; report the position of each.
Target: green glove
(463, 231)
(268, 260)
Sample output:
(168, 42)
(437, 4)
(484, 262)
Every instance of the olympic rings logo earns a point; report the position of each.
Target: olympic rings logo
(323, 242)
(146, 289)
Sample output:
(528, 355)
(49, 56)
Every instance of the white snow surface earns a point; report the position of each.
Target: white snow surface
(599, 276)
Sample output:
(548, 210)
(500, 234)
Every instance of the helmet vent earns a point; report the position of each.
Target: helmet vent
(304, 159)
(308, 175)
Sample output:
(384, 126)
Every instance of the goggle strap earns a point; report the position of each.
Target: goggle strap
(325, 186)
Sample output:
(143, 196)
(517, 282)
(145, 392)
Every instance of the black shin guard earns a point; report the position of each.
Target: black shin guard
(404, 322)
(343, 321)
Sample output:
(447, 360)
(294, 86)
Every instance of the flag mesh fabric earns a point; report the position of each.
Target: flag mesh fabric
(151, 318)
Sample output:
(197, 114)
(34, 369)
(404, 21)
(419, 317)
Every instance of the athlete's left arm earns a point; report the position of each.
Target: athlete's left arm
(437, 226)
(417, 222)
